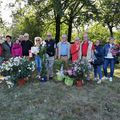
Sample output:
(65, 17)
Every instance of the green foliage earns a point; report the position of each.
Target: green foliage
(98, 32)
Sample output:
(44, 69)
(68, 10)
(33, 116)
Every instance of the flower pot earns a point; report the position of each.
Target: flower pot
(79, 83)
(21, 82)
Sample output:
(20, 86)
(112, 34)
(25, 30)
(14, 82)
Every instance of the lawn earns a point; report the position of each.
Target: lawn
(55, 101)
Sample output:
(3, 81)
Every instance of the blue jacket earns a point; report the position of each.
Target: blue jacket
(106, 49)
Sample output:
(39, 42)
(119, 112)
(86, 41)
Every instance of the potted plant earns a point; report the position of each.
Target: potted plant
(18, 69)
(42, 55)
(80, 70)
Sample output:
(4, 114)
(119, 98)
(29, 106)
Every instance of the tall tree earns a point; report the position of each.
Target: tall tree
(75, 13)
(109, 13)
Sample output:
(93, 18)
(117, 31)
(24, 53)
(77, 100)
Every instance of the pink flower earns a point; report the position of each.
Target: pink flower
(69, 72)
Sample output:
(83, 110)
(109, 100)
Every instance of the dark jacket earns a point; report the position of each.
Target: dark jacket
(6, 50)
(99, 55)
(26, 46)
(50, 47)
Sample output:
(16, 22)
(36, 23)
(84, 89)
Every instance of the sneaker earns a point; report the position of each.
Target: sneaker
(95, 79)
(38, 76)
(105, 78)
(110, 79)
(99, 81)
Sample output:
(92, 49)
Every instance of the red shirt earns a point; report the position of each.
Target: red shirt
(75, 52)
(85, 48)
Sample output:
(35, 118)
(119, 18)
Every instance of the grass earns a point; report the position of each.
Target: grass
(55, 101)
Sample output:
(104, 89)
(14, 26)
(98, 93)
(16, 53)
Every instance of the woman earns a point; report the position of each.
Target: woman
(98, 61)
(35, 50)
(6, 48)
(109, 59)
(75, 49)
(17, 49)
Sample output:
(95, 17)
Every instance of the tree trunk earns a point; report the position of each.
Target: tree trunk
(110, 30)
(70, 29)
(57, 20)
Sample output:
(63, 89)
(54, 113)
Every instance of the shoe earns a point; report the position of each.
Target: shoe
(95, 79)
(50, 78)
(105, 78)
(99, 81)
(38, 76)
(110, 79)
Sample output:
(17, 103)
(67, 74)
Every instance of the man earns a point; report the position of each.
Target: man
(26, 45)
(50, 54)
(109, 59)
(21, 38)
(64, 50)
(6, 48)
(87, 51)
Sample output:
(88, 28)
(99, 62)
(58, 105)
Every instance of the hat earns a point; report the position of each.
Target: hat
(8, 36)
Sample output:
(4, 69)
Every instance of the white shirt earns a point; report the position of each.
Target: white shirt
(109, 55)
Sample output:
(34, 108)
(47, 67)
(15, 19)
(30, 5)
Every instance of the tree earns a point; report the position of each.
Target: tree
(75, 12)
(109, 14)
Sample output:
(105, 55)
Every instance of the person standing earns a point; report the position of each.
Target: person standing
(21, 38)
(87, 51)
(75, 49)
(6, 48)
(98, 61)
(1, 58)
(64, 50)
(50, 55)
(109, 59)
(26, 45)
(17, 49)
(35, 51)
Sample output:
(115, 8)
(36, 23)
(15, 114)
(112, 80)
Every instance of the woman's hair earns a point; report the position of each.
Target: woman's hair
(37, 38)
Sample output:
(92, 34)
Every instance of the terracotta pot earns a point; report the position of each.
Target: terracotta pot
(79, 83)
(21, 82)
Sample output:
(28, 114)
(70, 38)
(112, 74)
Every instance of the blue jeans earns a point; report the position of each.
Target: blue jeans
(38, 63)
(98, 71)
(111, 62)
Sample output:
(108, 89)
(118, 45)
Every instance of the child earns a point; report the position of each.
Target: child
(35, 51)
(17, 49)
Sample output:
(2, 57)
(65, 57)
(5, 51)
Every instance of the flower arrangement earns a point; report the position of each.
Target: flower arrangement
(17, 68)
(81, 70)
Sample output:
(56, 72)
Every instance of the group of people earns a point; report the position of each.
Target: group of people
(95, 54)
